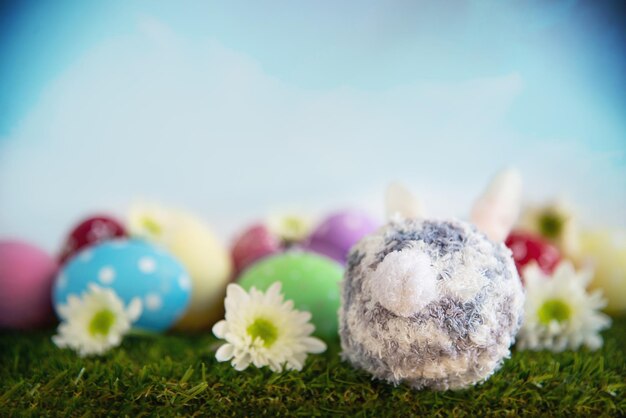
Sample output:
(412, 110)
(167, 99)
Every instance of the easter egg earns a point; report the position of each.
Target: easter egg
(193, 243)
(132, 268)
(605, 252)
(91, 231)
(26, 276)
(253, 244)
(339, 232)
(527, 247)
(310, 280)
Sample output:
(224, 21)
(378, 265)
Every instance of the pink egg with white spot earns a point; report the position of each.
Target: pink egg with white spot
(26, 276)
(335, 236)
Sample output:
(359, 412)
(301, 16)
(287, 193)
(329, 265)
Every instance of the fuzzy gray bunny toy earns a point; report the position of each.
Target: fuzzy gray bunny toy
(434, 303)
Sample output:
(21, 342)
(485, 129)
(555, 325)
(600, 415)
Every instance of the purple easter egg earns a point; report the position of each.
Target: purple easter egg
(336, 235)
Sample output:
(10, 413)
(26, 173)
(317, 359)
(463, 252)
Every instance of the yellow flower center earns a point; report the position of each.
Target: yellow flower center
(294, 228)
(554, 310)
(152, 226)
(263, 329)
(101, 322)
(551, 225)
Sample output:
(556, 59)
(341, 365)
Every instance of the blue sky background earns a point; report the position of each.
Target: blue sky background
(237, 109)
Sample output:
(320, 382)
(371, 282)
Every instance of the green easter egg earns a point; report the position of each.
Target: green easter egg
(310, 280)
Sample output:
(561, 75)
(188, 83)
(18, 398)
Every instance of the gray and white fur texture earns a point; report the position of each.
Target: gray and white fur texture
(434, 303)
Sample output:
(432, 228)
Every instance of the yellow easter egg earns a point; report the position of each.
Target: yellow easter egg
(206, 260)
(605, 251)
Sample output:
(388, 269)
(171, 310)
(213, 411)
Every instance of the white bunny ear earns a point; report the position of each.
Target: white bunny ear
(400, 202)
(497, 210)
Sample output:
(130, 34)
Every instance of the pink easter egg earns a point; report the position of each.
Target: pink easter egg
(26, 276)
(253, 244)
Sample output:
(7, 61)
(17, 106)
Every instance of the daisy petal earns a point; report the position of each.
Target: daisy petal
(275, 366)
(274, 289)
(236, 293)
(133, 311)
(294, 364)
(219, 329)
(314, 345)
(242, 362)
(59, 341)
(225, 352)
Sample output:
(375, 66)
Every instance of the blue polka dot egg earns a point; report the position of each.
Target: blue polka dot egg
(132, 268)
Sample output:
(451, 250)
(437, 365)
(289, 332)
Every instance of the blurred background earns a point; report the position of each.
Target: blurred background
(234, 110)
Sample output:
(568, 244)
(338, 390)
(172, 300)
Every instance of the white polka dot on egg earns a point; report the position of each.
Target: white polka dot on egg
(85, 256)
(153, 301)
(147, 265)
(106, 275)
(184, 282)
(166, 287)
(62, 281)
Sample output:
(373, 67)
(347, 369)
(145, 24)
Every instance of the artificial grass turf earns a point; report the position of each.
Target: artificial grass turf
(178, 375)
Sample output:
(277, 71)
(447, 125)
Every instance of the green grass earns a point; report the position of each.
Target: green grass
(178, 375)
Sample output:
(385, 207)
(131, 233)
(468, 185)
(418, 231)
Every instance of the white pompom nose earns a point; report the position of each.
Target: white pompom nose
(404, 282)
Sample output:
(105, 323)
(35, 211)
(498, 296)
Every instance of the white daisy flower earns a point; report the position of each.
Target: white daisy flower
(556, 223)
(96, 321)
(149, 221)
(290, 227)
(262, 329)
(559, 313)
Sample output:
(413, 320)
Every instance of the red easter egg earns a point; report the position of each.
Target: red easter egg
(253, 244)
(528, 247)
(91, 231)
(26, 276)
